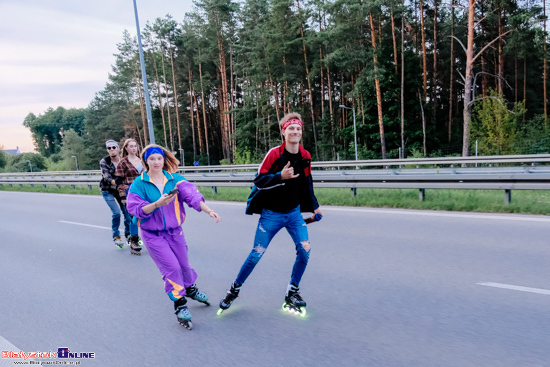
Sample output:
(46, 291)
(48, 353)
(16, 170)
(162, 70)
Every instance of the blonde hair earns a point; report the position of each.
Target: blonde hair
(171, 163)
(126, 142)
(288, 116)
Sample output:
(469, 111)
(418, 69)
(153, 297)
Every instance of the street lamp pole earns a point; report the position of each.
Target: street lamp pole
(182, 157)
(30, 166)
(354, 127)
(76, 161)
(144, 76)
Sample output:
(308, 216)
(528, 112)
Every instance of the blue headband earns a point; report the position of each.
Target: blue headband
(152, 150)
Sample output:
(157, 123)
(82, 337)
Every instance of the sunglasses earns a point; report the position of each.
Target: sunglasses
(111, 147)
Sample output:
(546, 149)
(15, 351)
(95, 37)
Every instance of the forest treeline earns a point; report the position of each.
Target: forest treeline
(424, 78)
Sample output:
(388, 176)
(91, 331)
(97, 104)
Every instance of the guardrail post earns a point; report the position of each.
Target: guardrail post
(507, 197)
(214, 190)
(44, 185)
(32, 185)
(11, 185)
(21, 185)
(422, 194)
(354, 191)
(73, 187)
(90, 187)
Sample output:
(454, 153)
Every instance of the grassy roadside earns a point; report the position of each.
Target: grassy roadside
(523, 201)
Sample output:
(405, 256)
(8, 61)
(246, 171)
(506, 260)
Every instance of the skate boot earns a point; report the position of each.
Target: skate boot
(134, 247)
(182, 313)
(194, 293)
(293, 301)
(118, 242)
(127, 235)
(229, 298)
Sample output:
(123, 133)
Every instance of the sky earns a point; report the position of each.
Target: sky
(59, 53)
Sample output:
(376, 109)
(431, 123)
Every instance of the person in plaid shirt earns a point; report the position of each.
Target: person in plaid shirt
(108, 186)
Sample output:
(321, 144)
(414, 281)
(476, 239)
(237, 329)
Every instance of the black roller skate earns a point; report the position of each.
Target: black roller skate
(229, 298)
(293, 301)
(135, 249)
(183, 314)
(194, 293)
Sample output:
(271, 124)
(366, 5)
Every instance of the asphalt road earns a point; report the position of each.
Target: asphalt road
(384, 287)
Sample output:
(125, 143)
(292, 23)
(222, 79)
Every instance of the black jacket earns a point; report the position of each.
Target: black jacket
(269, 176)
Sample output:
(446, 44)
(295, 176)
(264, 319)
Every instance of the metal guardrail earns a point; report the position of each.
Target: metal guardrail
(329, 174)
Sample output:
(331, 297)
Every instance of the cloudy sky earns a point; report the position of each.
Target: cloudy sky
(59, 53)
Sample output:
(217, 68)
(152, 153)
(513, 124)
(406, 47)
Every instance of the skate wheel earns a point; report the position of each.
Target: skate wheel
(187, 324)
(285, 307)
(220, 311)
(302, 311)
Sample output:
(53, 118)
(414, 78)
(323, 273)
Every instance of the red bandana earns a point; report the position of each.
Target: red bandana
(292, 121)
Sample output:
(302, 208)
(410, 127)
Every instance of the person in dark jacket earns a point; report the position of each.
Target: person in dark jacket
(108, 186)
(283, 188)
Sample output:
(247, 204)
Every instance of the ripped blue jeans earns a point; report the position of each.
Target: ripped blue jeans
(269, 224)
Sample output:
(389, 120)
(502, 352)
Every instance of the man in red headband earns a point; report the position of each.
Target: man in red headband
(283, 188)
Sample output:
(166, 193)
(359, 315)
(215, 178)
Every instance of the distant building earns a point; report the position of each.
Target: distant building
(15, 151)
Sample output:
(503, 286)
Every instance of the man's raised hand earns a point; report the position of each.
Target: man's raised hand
(288, 172)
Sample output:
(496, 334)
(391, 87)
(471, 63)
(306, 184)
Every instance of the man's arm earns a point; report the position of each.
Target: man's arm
(105, 171)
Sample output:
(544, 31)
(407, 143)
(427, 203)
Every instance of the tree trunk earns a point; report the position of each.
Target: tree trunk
(452, 70)
(139, 87)
(175, 96)
(524, 82)
(332, 127)
(423, 127)
(201, 146)
(544, 67)
(484, 76)
(467, 115)
(233, 126)
(275, 90)
(191, 114)
(403, 82)
(160, 100)
(378, 91)
(224, 117)
(500, 52)
(394, 41)
(434, 79)
(424, 62)
(167, 102)
(516, 78)
(204, 113)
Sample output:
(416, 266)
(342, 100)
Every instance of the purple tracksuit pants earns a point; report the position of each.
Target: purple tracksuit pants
(168, 249)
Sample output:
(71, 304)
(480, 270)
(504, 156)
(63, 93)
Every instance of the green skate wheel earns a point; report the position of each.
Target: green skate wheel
(220, 311)
(302, 311)
(285, 307)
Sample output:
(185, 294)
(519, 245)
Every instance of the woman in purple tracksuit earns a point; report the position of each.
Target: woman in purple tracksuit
(160, 216)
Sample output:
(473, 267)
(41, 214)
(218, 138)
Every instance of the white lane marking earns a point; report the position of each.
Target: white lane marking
(83, 224)
(515, 287)
(530, 218)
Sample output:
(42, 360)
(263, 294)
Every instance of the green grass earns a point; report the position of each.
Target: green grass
(523, 201)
